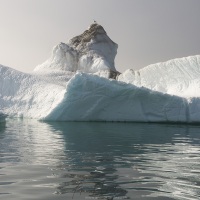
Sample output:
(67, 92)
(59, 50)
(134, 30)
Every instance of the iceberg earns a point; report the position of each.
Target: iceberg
(79, 82)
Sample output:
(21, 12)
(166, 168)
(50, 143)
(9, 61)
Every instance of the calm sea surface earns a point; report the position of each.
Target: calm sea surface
(48, 161)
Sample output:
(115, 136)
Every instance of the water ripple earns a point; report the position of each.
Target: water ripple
(99, 160)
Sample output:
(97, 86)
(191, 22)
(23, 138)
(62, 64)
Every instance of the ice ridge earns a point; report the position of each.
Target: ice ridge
(180, 76)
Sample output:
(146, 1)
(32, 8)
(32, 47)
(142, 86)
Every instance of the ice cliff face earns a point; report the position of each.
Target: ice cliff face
(91, 52)
(92, 98)
(70, 86)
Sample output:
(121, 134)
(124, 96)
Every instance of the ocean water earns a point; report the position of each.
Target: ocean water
(49, 161)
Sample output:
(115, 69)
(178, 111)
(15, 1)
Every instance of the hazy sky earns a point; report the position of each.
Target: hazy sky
(147, 31)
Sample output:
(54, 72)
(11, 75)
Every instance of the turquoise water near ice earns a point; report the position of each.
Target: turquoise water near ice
(65, 160)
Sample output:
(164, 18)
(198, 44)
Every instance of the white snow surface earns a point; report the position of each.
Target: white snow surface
(179, 77)
(26, 95)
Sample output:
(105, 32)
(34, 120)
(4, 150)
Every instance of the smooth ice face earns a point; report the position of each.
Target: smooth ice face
(92, 98)
(179, 77)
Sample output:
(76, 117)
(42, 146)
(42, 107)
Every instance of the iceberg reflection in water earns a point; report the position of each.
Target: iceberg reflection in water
(99, 160)
(2, 117)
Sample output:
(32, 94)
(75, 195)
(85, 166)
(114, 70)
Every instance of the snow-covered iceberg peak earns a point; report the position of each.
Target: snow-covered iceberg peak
(97, 50)
(92, 51)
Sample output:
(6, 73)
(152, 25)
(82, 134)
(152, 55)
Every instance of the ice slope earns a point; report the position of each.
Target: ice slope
(179, 77)
(26, 95)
